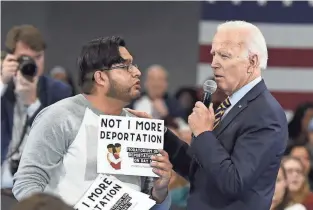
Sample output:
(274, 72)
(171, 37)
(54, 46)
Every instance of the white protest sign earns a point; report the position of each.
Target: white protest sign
(106, 194)
(126, 144)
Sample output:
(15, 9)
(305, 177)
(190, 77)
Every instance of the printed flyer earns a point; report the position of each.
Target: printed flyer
(108, 193)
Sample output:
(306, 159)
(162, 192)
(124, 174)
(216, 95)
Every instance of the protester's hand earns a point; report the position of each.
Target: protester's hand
(26, 90)
(139, 113)
(201, 119)
(160, 107)
(162, 167)
(9, 68)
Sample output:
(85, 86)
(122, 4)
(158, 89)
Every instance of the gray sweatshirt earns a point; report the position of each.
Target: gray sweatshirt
(60, 155)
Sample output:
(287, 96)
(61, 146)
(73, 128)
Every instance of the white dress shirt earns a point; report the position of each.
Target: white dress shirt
(239, 94)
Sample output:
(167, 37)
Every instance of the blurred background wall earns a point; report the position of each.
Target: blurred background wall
(156, 32)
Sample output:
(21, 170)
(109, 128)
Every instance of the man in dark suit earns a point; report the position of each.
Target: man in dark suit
(233, 160)
(22, 97)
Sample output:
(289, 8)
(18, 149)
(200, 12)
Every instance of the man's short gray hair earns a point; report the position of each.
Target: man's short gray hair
(255, 41)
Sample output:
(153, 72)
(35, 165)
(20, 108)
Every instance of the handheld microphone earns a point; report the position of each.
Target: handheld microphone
(209, 87)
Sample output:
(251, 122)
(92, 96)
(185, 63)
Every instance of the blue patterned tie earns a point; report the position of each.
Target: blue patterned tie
(220, 111)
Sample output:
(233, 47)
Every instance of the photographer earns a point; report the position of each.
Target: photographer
(24, 92)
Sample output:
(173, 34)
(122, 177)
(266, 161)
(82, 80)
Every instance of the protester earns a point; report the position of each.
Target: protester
(234, 157)
(60, 154)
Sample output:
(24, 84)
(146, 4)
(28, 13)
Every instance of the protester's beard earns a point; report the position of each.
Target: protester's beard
(119, 92)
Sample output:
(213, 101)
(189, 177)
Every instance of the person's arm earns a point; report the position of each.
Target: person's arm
(178, 153)
(46, 144)
(261, 142)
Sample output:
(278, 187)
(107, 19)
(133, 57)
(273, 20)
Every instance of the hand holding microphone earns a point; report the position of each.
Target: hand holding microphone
(202, 118)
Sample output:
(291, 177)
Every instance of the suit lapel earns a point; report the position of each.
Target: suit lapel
(239, 107)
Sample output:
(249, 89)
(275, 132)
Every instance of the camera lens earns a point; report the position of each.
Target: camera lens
(27, 66)
(29, 69)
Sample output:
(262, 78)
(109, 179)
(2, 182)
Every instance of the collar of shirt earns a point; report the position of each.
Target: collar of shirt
(239, 94)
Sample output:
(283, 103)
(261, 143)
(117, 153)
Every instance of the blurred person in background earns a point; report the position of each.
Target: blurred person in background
(302, 152)
(299, 124)
(310, 132)
(310, 140)
(60, 73)
(42, 201)
(187, 97)
(23, 97)
(156, 100)
(281, 199)
(298, 182)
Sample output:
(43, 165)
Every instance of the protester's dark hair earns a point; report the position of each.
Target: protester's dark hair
(42, 201)
(27, 34)
(110, 146)
(96, 55)
(117, 145)
(295, 125)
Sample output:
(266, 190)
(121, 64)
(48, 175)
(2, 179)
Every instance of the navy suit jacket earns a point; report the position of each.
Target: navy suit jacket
(235, 166)
(49, 92)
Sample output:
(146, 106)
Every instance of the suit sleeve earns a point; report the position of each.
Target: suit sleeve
(260, 143)
(178, 153)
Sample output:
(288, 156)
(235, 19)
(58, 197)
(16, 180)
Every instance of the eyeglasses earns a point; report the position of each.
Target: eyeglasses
(128, 67)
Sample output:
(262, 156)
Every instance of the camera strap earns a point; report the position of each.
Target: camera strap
(28, 122)
(42, 94)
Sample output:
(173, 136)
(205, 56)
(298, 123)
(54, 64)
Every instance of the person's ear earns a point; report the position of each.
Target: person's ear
(100, 78)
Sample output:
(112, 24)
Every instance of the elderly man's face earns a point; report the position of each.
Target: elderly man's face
(231, 65)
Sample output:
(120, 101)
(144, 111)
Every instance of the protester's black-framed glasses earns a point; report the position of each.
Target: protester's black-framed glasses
(128, 67)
